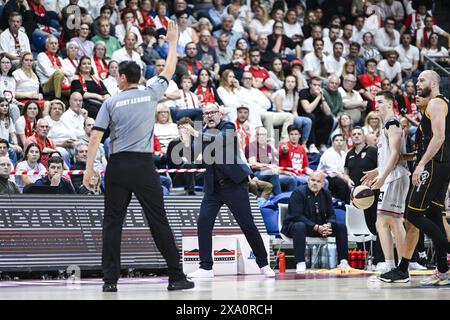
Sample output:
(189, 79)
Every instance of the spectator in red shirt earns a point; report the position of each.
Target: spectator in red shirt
(262, 80)
(370, 82)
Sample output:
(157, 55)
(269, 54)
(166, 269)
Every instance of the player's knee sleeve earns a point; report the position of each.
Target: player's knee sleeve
(415, 217)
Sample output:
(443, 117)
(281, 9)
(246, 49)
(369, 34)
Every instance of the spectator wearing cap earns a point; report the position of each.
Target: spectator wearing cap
(334, 63)
(390, 68)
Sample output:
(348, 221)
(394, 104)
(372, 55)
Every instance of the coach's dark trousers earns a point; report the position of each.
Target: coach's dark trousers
(127, 173)
(299, 232)
(235, 196)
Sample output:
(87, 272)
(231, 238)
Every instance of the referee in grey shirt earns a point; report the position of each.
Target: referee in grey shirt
(130, 116)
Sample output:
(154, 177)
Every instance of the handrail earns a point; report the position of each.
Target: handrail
(435, 64)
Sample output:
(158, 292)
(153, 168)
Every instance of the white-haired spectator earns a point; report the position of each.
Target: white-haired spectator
(6, 185)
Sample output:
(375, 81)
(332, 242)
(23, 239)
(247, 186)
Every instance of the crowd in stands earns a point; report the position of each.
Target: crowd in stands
(294, 76)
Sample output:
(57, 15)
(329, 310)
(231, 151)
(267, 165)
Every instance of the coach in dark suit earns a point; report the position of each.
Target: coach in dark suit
(226, 182)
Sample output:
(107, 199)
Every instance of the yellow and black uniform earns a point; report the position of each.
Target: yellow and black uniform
(436, 175)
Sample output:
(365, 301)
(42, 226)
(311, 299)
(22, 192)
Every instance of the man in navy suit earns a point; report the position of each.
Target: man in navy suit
(226, 182)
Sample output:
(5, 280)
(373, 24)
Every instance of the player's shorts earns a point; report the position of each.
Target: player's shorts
(433, 187)
(391, 201)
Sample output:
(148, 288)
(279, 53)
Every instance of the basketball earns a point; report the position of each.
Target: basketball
(362, 197)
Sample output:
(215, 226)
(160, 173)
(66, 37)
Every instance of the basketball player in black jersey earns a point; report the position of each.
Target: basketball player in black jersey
(430, 180)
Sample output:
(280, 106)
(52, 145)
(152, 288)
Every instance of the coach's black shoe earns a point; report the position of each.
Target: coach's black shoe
(395, 276)
(180, 285)
(110, 288)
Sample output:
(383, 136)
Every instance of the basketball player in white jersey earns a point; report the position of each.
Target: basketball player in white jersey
(391, 177)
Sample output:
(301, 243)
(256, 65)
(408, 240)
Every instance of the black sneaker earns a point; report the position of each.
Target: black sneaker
(110, 288)
(180, 285)
(395, 276)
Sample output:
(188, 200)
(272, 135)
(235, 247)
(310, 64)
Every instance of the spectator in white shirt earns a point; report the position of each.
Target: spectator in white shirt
(71, 62)
(434, 50)
(332, 164)
(408, 57)
(353, 103)
(423, 34)
(227, 91)
(111, 81)
(188, 105)
(74, 116)
(334, 63)
(387, 38)
(390, 68)
(316, 33)
(314, 61)
(13, 41)
(63, 136)
(127, 25)
(127, 53)
(393, 9)
(53, 77)
(358, 30)
(27, 82)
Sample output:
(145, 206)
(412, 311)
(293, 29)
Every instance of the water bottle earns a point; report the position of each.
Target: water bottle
(308, 256)
(315, 257)
(324, 257)
(332, 261)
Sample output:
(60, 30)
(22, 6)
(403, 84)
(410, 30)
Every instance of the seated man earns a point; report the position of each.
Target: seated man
(6, 185)
(311, 213)
(81, 149)
(55, 177)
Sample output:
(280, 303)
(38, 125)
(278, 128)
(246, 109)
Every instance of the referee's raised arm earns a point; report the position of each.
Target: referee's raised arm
(171, 62)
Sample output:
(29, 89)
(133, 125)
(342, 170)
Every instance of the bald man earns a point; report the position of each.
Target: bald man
(430, 180)
(311, 214)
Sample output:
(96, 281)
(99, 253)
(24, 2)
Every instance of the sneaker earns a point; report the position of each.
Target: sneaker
(382, 267)
(301, 267)
(182, 284)
(344, 265)
(201, 273)
(395, 276)
(416, 266)
(313, 149)
(437, 279)
(109, 287)
(267, 271)
(423, 261)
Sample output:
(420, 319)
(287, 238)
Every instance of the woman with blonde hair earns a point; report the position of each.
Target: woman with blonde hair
(94, 185)
(165, 130)
(63, 135)
(227, 91)
(260, 24)
(27, 82)
(372, 124)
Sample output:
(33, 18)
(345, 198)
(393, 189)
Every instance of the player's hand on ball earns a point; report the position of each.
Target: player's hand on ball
(377, 183)
(369, 176)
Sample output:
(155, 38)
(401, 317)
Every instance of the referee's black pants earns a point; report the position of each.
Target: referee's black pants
(127, 173)
(235, 196)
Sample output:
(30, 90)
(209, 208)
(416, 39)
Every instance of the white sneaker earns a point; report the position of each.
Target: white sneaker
(301, 267)
(344, 265)
(267, 271)
(416, 266)
(382, 268)
(313, 149)
(201, 273)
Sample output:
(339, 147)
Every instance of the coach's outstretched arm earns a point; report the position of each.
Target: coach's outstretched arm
(171, 62)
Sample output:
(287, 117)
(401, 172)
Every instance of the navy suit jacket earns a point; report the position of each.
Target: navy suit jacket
(226, 156)
(302, 208)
